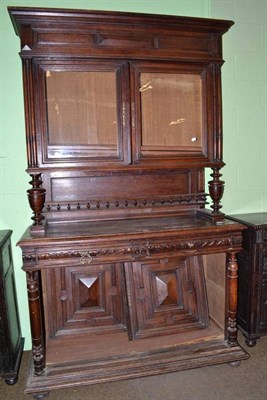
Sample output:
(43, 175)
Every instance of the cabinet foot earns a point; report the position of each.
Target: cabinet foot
(11, 381)
(251, 343)
(40, 396)
(235, 363)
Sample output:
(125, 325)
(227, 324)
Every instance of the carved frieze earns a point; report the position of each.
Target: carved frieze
(134, 250)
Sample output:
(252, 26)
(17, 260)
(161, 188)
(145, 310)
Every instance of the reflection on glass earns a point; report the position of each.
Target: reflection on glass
(171, 105)
(81, 108)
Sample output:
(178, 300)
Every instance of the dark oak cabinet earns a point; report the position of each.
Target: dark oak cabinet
(11, 342)
(252, 289)
(128, 273)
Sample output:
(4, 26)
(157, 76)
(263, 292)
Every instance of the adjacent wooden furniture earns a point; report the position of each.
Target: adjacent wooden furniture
(252, 289)
(11, 342)
(123, 115)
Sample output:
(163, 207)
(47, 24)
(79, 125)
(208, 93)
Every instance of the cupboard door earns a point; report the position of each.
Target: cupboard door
(170, 110)
(84, 107)
(84, 299)
(166, 296)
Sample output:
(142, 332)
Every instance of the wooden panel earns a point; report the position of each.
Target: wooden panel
(12, 312)
(263, 316)
(84, 299)
(119, 186)
(148, 39)
(166, 296)
(117, 344)
(11, 342)
(6, 257)
(215, 270)
(264, 262)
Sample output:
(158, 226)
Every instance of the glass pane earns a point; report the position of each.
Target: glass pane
(171, 105)
(81, 108)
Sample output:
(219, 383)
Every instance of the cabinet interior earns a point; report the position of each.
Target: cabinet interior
(88, 327)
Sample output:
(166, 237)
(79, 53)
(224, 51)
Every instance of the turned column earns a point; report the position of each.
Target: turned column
(231, 299)
(216, 185)
(216, 189)
(36, 322)
(36, 197)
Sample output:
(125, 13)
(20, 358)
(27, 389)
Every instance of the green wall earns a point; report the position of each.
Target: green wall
(244, 104)
(244, 94)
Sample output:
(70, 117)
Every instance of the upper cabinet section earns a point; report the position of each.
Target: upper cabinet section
(122, 112)
(111, 90)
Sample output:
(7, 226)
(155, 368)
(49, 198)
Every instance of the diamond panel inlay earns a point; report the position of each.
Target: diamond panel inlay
(166, 290)
(88, 282)
(162, 290)
(89, 291)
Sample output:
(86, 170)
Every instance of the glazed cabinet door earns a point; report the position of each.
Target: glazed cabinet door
(116, 112)
(83, 112)
(170, 105)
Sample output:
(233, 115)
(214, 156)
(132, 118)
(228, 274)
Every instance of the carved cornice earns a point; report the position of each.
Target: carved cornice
(135, 250)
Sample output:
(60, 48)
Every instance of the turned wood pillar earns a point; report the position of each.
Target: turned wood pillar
(36, 197)
(35, 310)
(216, 189)
(231, 299)
(216, 185)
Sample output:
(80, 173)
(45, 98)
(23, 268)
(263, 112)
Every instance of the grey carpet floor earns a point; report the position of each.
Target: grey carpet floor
(219, 382)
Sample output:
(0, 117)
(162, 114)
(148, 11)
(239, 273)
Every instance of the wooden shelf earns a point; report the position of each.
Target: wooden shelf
(78, 348)
(70, 362)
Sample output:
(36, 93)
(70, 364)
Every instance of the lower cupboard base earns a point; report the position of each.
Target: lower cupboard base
(134, 365)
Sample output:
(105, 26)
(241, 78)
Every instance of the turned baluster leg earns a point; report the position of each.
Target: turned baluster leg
(36, 197)
(232, 275)
(36, 322)
(216, 189)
